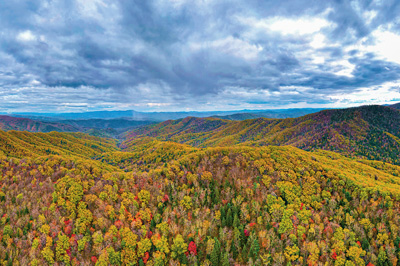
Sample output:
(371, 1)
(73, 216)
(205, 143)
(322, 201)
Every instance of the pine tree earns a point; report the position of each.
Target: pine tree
(223, 222)
(234, 250)
(214, 256)
(216, 196)
(184, 259)
(225, 260)
(245, 253)
(236, 222)
(217, 244)
(229, 217)
(152, 224)
(243, 238)
(254, 249)
(223, 211)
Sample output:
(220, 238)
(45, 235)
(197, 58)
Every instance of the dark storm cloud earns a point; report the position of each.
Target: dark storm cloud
(99, 54)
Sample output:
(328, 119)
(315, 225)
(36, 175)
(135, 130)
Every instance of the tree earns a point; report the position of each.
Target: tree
(129, 246)
(229, 217)
(254, 249)
(225, 260)
(48, 255)
(215, 256)
(179, 247)
(61, 250)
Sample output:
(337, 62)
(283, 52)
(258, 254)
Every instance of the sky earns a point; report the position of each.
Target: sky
(181, 55)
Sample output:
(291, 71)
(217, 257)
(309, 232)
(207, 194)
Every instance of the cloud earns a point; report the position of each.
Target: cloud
(178, 54)
(26, 36)
(294, 26)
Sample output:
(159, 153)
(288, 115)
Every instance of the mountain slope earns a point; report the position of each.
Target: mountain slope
(20, 144)
(288, 113)
(25, 124)
(218, 206)
(106, 123)
(162, 116)
(395, 106)
(371, 132)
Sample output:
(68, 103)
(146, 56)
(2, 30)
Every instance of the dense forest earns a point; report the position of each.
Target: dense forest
(95, 127)
(370, 132)
(20, 123)
(206, 192)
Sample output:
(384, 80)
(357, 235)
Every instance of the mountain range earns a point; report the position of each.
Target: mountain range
(320, 189)
(97, 127)
(162, 116)
(371, 132)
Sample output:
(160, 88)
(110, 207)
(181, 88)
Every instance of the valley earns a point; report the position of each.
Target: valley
(318, 189)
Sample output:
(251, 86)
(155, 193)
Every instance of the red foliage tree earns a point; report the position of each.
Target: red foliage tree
(192, 248)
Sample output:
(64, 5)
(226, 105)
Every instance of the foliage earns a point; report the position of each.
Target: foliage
(162, 203)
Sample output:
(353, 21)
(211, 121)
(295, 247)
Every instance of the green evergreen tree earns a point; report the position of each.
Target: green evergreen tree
(236, 222)
(214, 256)
(245, 253)
(216, 196)
(243, 238)
(225, 260)
(223, 211)
(217, 244)
(229, 217)
(234, 250)
(184, 259)
(223, 222)
(254, 249)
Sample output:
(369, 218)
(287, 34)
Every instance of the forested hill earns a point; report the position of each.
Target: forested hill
(395, 106)
(20, 144)
(165, 203)
(369, 131)
(26, 124)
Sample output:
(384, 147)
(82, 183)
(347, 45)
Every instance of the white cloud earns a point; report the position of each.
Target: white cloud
(343, 68)
(295, 88)
(26, 36)
(90, 7)
(382, 42)
(367, 15)
(318, 41)
(285, 26)
(297, 26)
(381, 94)
(157, 104)
(387, 45)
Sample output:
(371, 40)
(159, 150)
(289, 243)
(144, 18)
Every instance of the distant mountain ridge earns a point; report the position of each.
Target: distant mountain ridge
(25, 124)
(116, 123)
(163, 116)
(96, 127)
(288, 113)
(371, 132)
(395, 106)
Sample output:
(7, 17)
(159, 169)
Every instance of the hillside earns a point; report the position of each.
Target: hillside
(109, 128)
(162, 116)
(370, 132)
(288, 113)
(165, 203)
(25, 124)
(395, 106)
(20, 144)
(119, 124)
(225, 195)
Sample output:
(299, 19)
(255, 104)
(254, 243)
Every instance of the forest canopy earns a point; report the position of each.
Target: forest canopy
(75, 199)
